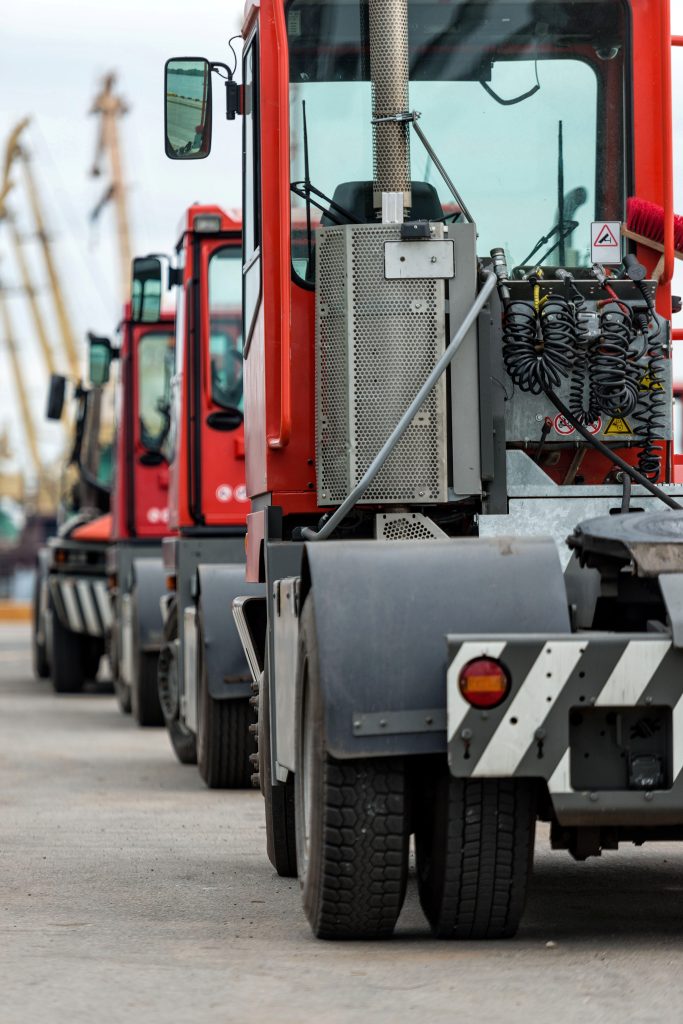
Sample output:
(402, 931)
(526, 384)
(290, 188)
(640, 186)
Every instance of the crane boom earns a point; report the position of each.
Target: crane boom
(65, 328)
(24, 405)
(110, 108)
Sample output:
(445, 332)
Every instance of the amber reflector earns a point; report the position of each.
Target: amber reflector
(484, 683)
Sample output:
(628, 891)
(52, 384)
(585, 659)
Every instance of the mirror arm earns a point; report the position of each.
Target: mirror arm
(233, 105)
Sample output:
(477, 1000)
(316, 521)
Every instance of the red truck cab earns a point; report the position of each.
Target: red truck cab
(204, 681)
(139, 509)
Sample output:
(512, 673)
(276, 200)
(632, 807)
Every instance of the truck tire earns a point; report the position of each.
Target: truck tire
(351, 822)
(279, 798)
(182, 740)
(92, 651)
(41, 665)
(224, 742)
(121, 688)
(144, 691)
(474, 848)
(67, 657)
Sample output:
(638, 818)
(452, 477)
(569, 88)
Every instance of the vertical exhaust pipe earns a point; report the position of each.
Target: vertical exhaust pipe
(390, 73)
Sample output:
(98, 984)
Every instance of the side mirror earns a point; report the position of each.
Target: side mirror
(146, 290)
(100, 360)
(187, 120)
(55, 397)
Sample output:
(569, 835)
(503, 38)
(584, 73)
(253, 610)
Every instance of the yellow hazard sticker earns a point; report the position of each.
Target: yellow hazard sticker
(647, 384)
(618, 425)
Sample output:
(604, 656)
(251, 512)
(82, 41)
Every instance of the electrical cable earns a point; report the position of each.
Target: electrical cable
(635, 474)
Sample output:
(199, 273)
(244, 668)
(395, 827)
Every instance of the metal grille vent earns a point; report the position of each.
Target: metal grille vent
(377, 341)
(413, 526)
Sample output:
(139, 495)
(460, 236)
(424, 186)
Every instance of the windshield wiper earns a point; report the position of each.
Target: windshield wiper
(563, 230)
(305, 190)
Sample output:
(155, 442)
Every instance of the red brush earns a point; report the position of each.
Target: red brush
(645, 224)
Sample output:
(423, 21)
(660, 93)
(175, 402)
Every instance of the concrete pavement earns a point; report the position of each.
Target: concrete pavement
(130, 893)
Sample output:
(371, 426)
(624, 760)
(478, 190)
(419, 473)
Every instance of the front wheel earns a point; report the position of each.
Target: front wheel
(351, 823)
(224, 740)
(144, 691)
(41, 665)
(66, 658)
(474, 846)
(278, 797)
(182, 740)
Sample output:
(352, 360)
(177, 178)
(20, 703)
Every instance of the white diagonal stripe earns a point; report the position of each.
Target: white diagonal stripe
(677, 730)
(103, 602)
(457, 706)
(92, 622)
(559, 780)
(71, 606)
(529, 708)
(632, 673)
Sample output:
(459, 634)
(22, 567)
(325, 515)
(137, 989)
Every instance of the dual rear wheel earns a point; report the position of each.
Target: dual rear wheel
(473, 838)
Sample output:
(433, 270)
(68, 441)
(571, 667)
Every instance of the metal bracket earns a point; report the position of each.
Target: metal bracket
(378, 723)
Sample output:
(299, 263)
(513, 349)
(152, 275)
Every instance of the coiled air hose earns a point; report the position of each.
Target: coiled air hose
(546, 341)
(538, 342)
(615, 375)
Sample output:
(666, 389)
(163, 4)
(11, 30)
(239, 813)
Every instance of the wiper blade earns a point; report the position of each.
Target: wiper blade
(305, 190)
(563, 230)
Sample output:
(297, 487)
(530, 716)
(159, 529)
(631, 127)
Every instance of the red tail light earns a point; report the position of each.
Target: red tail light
(484, 683)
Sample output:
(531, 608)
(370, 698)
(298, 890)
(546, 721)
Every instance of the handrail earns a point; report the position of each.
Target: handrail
(667, 139)
(281, 439)
(677, 40)
(677, 334)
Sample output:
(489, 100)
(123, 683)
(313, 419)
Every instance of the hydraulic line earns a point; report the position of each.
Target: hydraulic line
(538, 342)
(635, 474)
(615, 374)
(583, 400)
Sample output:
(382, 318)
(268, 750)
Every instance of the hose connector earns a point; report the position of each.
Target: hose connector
(500, 269)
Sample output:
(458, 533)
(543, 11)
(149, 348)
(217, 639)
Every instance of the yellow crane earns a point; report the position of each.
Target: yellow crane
(45, 486)
(67, 334)
(24, 404)
(7, 215)
(110, 108)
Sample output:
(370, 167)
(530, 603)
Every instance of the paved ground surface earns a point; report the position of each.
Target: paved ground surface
(128, 892)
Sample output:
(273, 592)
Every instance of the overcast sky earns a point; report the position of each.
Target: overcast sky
(53, 55)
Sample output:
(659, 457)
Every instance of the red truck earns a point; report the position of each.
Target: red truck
(204, 679)
(139, 503)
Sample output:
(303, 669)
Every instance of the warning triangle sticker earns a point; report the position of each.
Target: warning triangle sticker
(605, 237)
(618, 425)
(647, 384)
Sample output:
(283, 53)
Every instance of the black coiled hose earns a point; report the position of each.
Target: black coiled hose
(615, 376)
(651, 414)
(583, 399)
(538, 347)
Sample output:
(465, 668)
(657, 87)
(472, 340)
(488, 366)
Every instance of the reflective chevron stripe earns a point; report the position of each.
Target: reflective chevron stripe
(528, 736)
(84, 603)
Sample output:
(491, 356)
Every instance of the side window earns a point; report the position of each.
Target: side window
(225, 327)
(154, 358)
(252, 195)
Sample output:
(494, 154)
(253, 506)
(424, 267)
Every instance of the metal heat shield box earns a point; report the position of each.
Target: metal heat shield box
(376, 342)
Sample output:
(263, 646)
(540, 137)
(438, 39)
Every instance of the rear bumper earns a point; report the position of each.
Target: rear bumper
(599, 717)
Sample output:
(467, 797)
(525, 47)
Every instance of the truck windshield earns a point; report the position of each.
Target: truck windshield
(225, 326)
(155, 367)
(523, 101)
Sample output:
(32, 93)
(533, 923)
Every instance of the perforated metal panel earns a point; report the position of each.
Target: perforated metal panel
(390, 72)
(406, 526)
(376, 343)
